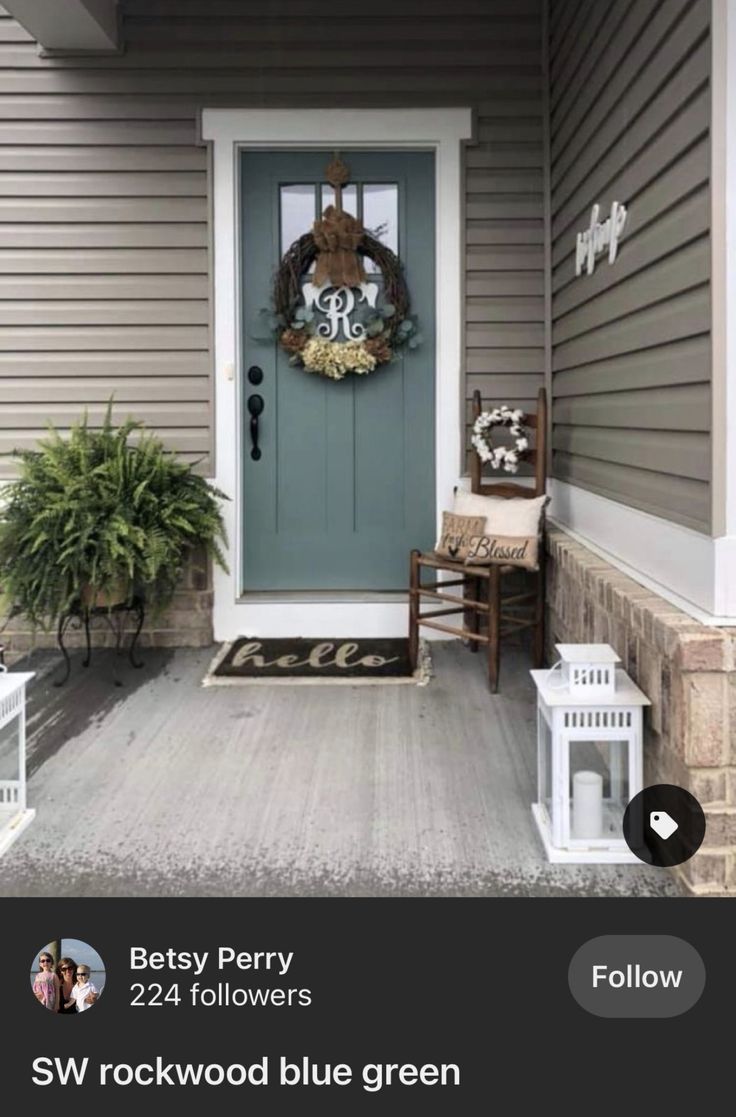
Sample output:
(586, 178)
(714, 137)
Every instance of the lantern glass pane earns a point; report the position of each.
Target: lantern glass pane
(545, 764)
(9, 771)
(9, 750)
(598, 789)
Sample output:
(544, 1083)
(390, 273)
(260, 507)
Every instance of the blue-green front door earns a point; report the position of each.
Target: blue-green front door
(344, 485)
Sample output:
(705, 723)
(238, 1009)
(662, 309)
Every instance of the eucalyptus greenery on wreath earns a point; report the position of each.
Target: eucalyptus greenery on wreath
(374, 330)
(501, 457)
(102, 512)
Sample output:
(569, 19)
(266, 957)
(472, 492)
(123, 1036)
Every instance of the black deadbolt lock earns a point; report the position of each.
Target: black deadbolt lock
(255, 374)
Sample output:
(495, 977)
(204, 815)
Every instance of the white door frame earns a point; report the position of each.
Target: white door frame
(230, 130)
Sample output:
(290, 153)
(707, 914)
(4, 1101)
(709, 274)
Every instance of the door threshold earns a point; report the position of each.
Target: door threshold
(322, 597)
(323, 613)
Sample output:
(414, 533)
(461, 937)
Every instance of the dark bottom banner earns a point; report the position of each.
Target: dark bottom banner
(402, 1006)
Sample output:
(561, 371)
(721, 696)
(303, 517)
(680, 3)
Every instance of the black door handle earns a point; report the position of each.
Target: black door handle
(255, 408)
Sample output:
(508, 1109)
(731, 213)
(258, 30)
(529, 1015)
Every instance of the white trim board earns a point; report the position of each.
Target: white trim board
(230, 130)
(680, 565)
(723, 267)
(729, 315)
(723, 304)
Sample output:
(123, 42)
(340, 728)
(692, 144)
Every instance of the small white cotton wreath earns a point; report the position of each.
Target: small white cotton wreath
(501, 457)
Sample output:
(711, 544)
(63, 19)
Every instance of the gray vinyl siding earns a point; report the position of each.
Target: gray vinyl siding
(104, 193)
(629, 122)
(504, 230)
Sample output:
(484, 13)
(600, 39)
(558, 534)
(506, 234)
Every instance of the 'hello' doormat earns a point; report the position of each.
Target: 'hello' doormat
(329, 660)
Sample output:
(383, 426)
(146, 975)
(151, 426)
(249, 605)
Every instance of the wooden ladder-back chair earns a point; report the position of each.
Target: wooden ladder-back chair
(500, 613)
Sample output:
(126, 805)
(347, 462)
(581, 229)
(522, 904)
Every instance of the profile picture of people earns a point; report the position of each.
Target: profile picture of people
(67, 976)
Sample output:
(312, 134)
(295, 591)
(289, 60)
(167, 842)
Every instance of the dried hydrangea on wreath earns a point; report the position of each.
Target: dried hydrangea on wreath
(308, 319)
(501, 457)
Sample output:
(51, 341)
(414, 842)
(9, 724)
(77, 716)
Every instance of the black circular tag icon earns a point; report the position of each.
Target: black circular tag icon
(664, 825)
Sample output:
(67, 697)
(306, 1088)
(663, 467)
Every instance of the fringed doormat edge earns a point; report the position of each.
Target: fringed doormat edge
(420, 677)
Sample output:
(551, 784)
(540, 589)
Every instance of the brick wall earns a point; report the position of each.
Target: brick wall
(687, 669)
(187, 622)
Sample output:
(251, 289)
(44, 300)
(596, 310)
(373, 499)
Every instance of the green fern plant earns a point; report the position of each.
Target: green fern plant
(101, 509)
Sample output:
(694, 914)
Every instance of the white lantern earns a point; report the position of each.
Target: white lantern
(589, 751)
(14, 815)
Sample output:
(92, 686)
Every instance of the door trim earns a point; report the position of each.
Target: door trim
(228, 131)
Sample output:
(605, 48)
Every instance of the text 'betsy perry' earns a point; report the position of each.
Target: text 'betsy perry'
(141, 959)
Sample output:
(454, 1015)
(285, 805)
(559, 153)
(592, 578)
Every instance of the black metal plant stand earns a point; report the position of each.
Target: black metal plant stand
(79, 616)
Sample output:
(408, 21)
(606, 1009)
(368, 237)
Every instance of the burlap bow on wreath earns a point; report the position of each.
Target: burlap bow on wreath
(337, 237)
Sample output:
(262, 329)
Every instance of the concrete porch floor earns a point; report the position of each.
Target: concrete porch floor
(163, 788)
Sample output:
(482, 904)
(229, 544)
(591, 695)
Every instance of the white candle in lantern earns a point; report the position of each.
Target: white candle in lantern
(587, 805)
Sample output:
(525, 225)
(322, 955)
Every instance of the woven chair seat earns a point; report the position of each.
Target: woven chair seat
(431, 558)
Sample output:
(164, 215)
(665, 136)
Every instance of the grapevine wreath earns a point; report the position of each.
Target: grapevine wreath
(338, 243)
(501, 457)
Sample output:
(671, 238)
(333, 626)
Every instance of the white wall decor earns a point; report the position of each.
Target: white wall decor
(599, 236)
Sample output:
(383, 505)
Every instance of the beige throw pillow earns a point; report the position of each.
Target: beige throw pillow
(512, 528)
(515, 516)
(457, 531)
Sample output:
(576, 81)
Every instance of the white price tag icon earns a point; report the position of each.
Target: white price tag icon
(662, 823)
